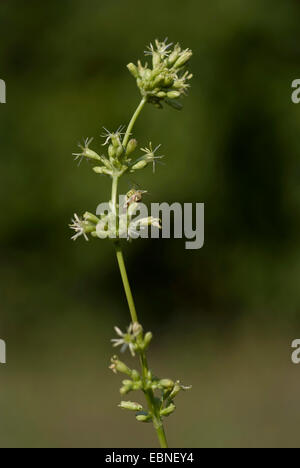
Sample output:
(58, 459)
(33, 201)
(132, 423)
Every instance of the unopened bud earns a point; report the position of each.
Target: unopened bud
(115, 139)
(168, 410)
(183, 59)
(130, 405)
(174, 55)
(155, 59)
(166, 383)
(88, 153)
(131, 147)
(102, 170)
(147, 339)
(125, 389)
(173, 94)
(133, 70)
(139, 165)
(143, 417)
(119, 366)
(111, 151)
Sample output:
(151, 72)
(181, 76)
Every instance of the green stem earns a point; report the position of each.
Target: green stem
(133, 120)
(126, 284)
(114, 193)
(153, 409)
(157, 422)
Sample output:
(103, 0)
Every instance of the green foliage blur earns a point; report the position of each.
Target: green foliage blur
(222, 317)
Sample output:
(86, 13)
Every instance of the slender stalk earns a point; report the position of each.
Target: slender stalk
(150, 397)
(158, 425)
(133, 120)
(126, 284)
(114, 191)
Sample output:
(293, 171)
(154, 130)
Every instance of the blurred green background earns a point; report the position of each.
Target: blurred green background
(223, 317)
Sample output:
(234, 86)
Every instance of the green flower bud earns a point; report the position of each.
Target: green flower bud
(115, 139)
(147, 339)
(144, 417)
(125, 389)
(127, 382)
(131, 147)
(88, 153)
(168, 410)
(161, 94)
(139, 165)
(102, 170)
(168, 82)
(183, 59)
(111, 151)
(156, 59)
(133, 70)
(106, 162)
(130, 405)
(173, 94)
(119, 366)
(119, 151)
(174, 55)
(166, 383)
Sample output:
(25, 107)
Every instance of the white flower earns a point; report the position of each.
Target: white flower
(109, 135)
(84, 148)
(150, 154)
(79, 228)
(127, 340)
(161, 48)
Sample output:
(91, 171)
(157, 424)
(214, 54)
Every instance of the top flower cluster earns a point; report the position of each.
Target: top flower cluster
(167, 80)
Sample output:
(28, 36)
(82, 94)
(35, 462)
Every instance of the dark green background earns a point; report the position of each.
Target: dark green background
(223, 317)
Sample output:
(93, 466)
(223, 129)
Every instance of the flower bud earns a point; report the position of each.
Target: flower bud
(115, 139)
(183, 59)
(102, 170)
(131, 147)
(130, 405)
(88, 153)
(166, 383)
(144, 417)
(176, 389)
(111, 151)
(139, 165)
(118, 366)
(125, 389)
(173, 94)
(147, 339)
(133, 70)
(174, 55)
(168, 410)
(156, 59)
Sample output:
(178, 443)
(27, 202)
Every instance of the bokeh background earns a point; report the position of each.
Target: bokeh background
(223, 317)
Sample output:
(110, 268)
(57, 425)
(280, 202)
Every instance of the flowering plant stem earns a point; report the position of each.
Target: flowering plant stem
(164, 83)
(158, 425)
(157, 420)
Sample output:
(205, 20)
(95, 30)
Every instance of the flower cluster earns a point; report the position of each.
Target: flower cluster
(113, 223)
(166, 389)
(84, 226)
(167, 80)
(119, 159)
